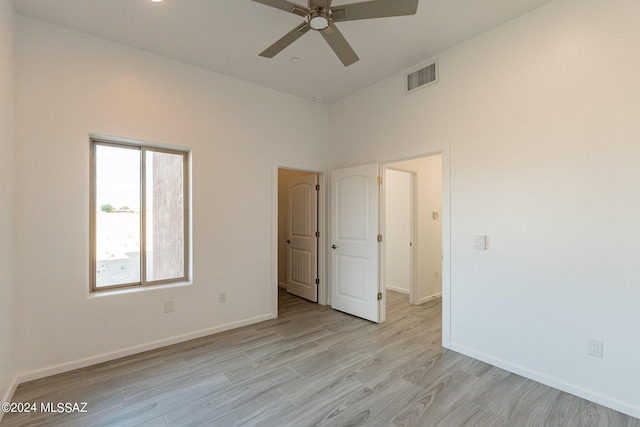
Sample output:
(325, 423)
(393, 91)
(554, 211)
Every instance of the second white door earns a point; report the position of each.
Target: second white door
(302, 240)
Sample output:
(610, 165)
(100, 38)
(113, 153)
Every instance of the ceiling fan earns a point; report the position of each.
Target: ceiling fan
(320, 16)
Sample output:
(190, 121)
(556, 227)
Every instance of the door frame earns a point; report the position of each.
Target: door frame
(430, 150)
(322, 226)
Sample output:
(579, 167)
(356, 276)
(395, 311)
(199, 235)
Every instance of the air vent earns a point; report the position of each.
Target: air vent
(422, 77)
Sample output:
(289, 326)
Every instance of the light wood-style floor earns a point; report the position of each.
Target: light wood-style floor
(311, 366)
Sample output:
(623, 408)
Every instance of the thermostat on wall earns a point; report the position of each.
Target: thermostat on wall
(481, 242)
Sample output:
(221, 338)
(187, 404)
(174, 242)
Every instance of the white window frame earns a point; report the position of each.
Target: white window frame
(143, 147)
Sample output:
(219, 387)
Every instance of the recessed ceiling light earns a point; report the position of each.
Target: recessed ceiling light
(318, 98)
(294, 59)
(156, 1)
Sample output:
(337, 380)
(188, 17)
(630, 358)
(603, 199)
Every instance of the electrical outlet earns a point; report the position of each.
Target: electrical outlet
(168, 306)
(222, 297)
(594, 347)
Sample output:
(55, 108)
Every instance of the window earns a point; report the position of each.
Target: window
(139, 215)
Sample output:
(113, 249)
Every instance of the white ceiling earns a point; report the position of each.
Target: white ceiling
(226, 36)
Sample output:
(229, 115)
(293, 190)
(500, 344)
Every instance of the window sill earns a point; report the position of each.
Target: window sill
(122, 291)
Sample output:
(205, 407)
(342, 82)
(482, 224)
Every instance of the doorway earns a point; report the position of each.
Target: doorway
(399, 221)
(358, 236)
(412, 210)
(298, 232)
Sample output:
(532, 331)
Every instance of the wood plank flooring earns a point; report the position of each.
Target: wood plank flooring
(310, 366)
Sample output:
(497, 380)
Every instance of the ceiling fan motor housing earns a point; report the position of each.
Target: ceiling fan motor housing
(319, 19)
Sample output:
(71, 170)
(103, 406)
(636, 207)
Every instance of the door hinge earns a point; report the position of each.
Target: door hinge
(317, 187)
(317, 281)
(379, 238)
(379, 296)
(379, 180)
(317, 234)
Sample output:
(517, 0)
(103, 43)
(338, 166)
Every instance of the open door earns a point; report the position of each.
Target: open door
(302, 238)
(355, 284)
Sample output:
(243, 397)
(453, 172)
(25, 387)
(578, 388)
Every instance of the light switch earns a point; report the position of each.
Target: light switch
(481, 242)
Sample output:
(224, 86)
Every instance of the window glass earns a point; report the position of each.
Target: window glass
(117, 216)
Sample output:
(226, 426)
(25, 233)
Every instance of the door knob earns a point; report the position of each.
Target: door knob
(333, 246)
(288, 241)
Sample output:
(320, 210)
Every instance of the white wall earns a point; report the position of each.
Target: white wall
(542, 119)
(7, 223)
(398, 230)
(70, 85)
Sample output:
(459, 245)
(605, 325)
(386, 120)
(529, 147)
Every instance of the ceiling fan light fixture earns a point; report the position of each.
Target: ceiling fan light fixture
(318, 20)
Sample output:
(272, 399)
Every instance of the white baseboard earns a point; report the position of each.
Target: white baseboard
(615, 404)
(9, 393)
(105, 357)
(393, 288)
(430, 297)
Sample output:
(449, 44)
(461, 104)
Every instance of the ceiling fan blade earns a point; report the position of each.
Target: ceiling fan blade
(339, 45)
(374, 9)
(285, 41)
(285, 5)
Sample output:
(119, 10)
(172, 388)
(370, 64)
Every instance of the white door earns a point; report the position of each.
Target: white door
(354, 242)
(302, 240)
